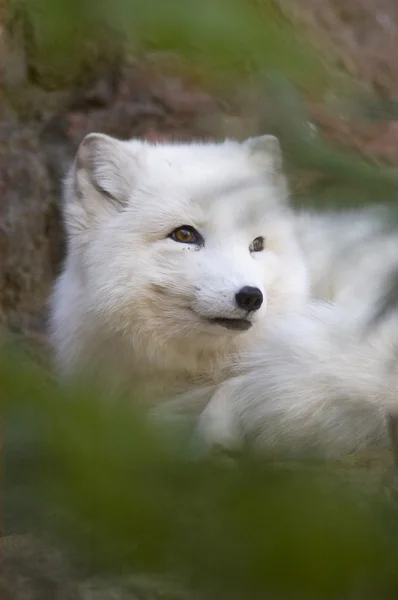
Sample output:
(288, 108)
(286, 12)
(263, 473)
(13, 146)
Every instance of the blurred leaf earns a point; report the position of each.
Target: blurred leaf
(126, 495)
(227, 34)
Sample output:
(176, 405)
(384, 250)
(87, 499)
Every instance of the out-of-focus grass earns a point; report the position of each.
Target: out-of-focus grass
(231, 35)
(228, 39)
(125, 495)
(346, 179)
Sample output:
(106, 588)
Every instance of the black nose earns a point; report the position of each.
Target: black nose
(249, 298)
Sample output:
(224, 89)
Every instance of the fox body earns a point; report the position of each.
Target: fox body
(187, 268)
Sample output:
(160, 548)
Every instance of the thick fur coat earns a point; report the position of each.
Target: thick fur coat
(186, 267)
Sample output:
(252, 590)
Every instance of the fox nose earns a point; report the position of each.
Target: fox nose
(249, 298)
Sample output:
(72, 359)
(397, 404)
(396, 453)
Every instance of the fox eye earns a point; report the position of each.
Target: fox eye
(186, 235)
(257, 244)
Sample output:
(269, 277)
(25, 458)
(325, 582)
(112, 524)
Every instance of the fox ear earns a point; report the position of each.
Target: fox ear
(101, 179)
(265, 150)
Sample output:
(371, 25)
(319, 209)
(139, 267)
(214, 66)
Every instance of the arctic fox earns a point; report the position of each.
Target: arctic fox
(178, 254)
(186, 267)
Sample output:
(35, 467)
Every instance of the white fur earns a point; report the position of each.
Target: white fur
(349, 254)
(323, 381)
(133, 300)
(320, 384)
(134, 305)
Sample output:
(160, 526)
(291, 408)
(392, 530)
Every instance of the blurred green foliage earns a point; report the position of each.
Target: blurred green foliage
(230, 40)
(227, 34)
(125, 495)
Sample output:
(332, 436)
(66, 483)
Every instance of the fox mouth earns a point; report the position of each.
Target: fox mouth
(234, 324)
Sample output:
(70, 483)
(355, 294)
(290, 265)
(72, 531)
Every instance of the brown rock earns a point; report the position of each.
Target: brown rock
(29, 229)
(34, 569)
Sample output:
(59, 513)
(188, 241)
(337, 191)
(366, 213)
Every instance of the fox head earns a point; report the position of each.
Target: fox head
(181, 248)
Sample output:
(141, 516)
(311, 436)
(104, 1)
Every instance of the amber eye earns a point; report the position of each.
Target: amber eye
(257, 245)
(186, 235)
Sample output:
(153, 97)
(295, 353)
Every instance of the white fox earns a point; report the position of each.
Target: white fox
(185, 265)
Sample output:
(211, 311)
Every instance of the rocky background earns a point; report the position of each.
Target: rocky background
(48, 102)
(44, 114)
